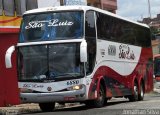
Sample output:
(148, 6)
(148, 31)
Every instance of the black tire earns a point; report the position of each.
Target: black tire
(100, 101)
(47, 107)
(141, 93)
(134, 97)
(89, 103)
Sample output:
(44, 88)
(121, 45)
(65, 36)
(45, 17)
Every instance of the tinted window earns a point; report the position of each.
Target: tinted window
(104, 26)
(9, 7)
(52, 26)
(55, 61)
(114, 29)
(90, 36)
(90, 25)
(127, 35)
(143, 36)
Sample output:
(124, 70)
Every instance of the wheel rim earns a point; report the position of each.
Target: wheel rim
(142, 92)
(100, 96)
(135, 90)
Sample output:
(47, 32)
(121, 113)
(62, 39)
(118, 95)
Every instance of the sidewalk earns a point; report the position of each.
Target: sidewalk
(18, 109)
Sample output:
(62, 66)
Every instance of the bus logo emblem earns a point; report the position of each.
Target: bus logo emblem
(49, 89)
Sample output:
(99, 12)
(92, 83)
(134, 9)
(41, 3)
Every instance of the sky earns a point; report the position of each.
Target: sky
(137, 9)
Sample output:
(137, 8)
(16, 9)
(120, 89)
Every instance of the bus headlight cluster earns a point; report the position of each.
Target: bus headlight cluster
(76, 87)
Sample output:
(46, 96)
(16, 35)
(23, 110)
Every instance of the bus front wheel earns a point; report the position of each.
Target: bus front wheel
(47, 107)
(100, 101)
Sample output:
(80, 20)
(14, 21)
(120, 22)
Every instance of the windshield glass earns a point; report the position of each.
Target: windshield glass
(51, 26)
(50, 62)
(157, 66)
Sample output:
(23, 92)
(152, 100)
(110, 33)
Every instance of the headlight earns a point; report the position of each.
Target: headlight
(76, 87)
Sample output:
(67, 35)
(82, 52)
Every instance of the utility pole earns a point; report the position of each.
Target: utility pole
(149, 9)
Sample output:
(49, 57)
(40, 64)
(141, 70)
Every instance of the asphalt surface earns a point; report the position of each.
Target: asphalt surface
(116, 106)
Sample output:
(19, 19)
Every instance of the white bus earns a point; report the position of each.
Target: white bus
(81, 54)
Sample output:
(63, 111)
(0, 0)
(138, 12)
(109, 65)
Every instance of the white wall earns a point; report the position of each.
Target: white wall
(47, 3)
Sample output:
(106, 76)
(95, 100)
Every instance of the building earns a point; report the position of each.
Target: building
(109, 5)
(156, 46)
(154, 23)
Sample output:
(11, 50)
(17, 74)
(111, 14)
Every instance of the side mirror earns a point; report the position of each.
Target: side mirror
(8, 56)
(83, 51)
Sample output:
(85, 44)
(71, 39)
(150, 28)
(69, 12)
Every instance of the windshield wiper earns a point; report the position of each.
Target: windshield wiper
(68, 75)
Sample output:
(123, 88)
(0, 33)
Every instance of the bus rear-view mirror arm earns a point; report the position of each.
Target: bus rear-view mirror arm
(83, 51)
(8, 55)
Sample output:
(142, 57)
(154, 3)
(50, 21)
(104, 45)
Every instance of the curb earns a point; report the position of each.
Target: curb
(18, 109)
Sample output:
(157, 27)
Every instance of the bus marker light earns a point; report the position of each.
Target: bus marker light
(69, 98)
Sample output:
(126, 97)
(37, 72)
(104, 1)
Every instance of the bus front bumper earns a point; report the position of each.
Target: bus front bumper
(65, 96)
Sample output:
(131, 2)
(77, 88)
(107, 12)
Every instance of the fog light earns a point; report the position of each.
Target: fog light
(76, 87)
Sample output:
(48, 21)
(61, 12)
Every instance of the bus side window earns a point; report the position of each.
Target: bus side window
(1, 7)
(9, 7)
(104, 27)
(31, 4)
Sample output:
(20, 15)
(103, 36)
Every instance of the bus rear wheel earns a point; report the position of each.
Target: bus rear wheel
(47, 107)
(134, 96)
(141, 94)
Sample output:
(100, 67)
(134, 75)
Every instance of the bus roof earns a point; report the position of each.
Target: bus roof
(84, 8)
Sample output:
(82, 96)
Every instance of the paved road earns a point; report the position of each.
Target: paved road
(116, 106)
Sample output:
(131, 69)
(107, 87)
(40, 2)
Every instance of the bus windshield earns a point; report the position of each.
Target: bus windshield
(52, 26)
(50, 62)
